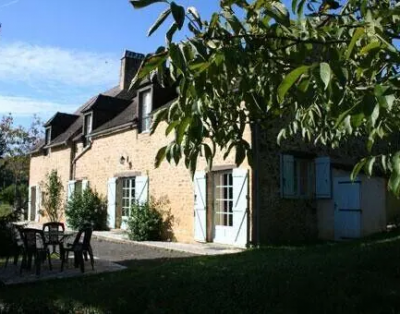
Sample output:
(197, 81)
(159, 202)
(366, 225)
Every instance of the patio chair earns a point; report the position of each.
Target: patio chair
(80, 247)
(16, 246)
(34, 246)
(53, 234)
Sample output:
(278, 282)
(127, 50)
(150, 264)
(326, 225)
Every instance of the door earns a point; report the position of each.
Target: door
(347, 208)
(223, 207)
(199, 183)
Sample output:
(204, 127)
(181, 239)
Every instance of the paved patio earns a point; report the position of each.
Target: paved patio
(191, 248)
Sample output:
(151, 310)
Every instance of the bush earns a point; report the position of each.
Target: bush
(52, 200)
(87, 207)
(145, 222)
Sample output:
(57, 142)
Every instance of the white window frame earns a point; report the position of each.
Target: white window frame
(47, 139)
(145, 117)
(86, 132)
(130, 197)
(223, 206)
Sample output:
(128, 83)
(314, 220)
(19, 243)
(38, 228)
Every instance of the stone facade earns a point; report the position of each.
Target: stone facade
(101, 161)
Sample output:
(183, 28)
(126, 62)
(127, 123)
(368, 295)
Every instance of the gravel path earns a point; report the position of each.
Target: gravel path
(125, 253)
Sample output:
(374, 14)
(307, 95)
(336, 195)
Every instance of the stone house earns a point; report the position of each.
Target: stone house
(294, 193)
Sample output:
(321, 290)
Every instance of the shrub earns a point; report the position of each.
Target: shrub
(87, 207)
(7, 233)
(145, 222)
(52, 200)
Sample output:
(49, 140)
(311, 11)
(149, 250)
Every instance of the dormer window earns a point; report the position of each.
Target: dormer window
(145, 107)
(47, 140)
(87, 127)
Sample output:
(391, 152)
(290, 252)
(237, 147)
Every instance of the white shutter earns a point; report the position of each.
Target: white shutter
(29, 203)
(240, 206)
(70, 189)
(287, 176)
(141, 189)
(199, 183)
(323, 177)
(111, 201)
(85, 185)
(38, 202)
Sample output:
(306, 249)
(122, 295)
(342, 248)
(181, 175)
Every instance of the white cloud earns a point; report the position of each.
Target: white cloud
(27, 107)
(45, 65)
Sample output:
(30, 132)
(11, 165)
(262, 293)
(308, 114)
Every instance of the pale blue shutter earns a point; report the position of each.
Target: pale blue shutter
(199, 182)
(287, 176)
(323, 177)
(111, 201)
(85, 185)
(38, 203)
(70, 189)
(240, 206)
(141, 189)
(29, 203)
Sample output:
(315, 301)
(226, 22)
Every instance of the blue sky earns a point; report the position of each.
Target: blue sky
(54, 55)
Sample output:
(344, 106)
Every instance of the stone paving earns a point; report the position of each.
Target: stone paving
(109, 257)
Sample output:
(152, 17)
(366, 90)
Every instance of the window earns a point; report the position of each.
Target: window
(297, 177)
(87, 128)
(47, 140)
(145, 110)
(223, 200)
(128, 195)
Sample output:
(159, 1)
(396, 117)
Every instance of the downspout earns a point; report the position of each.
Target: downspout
(256, 184)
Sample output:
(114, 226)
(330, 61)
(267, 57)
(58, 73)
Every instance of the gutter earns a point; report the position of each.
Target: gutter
(114, 129)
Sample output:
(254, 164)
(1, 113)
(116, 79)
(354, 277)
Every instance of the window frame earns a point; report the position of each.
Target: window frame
(86, 132)
(141, 117)
(131, 188)
(226, 201)
(47, 140)
(298, 178)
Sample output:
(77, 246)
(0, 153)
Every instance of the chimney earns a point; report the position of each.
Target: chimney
(130, 64)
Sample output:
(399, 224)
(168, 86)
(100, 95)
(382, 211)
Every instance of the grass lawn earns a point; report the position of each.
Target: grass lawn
(357, 277)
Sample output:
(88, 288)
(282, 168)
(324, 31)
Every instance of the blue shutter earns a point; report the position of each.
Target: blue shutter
(287, 176)
(111, 201)
(199, 183)
(323, 177)
(240, 206)
(141, 189)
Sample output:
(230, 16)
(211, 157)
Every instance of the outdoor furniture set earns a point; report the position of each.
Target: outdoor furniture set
(39, 245)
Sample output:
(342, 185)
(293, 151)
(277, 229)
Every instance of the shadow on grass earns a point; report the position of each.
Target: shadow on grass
(353, 277)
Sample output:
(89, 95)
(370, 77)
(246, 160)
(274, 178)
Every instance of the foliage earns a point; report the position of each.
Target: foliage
(15, 195)
(52, 201)
(87, 207)
(145, 222)
(15, 144)
(329, 71)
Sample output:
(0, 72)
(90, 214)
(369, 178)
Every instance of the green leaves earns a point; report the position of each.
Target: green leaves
(163, 16)
(289, 80)
(357, 35)
(325, 72)
(178, 12)
(138, 4)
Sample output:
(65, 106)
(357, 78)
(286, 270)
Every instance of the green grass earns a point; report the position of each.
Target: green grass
(357, 277)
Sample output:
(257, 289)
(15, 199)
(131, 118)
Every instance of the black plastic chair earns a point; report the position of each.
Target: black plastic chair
(53, 234)
(80, 247)
(16, 246)
(34, 246)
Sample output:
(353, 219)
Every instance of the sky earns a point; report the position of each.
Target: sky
(55, 55)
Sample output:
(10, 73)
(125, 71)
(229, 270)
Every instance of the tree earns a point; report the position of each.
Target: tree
(52, 200)
(16, 142)
(330, 72)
